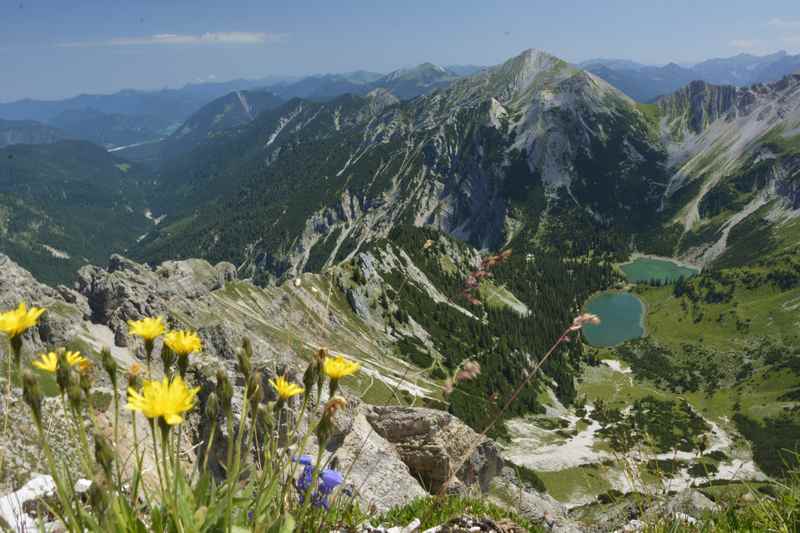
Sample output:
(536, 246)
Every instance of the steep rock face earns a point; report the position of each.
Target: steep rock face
(66, 309)
(130, 291)
(433, 443)
(472, 160)
(732, 152)
(699, 103)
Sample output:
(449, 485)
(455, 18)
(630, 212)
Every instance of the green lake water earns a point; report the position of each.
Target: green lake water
(646, 269)
(621, 318)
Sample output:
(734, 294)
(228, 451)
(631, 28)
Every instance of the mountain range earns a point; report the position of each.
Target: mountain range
(492, 158)
(485, 159)
(644, 83)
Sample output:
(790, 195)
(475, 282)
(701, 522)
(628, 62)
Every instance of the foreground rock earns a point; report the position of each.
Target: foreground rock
(434, 443)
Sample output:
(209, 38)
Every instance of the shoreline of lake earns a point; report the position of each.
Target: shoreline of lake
(644, 269)
(678, 262)
(642, 316)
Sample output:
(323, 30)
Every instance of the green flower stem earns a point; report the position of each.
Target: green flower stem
(170, 499)
(116, 436)
(177, 465)
(84, 443)
(233, 474)
(210, 444)
(148, 350)
(79, 435)
(156, 460)
(137, 475)
(64, 496)
(16, 354)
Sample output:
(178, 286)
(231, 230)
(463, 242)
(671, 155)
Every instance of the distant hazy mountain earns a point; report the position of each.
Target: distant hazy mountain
(412, 82)
(28, 132)
(624, 64)
(227, 112)
(746, 69)
(465, 70)
(326, 86)
(111, 129)
(644, 83)
(403, 83)
(174, 105)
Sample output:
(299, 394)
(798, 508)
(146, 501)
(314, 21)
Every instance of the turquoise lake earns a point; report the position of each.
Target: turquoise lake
(646, 269)
(621, 318)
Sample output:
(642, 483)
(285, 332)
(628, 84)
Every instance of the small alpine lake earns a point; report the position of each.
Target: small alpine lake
(644, 269)
(621, 315)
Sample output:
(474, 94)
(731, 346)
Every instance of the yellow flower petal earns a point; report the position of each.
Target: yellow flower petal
(49, 361)
(165, 399)
(147, 328)
(19, 320)
(285, 388)
(183, 342)
(339, 367)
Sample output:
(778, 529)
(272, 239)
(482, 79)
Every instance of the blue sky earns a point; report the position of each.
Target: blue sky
(57, 48)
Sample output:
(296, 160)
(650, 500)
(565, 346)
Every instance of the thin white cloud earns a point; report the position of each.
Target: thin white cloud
(209, 38)
(783, 23)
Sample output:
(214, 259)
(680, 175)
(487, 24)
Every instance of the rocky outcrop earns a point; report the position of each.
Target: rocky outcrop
(66, 309)
(433, 444)
(701, 103)
(129, 291)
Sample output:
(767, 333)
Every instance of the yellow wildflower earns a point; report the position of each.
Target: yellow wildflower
(49, 361)
(15, 322)
(147, 328)
(285, 388)
(183, 342)
(165, 399)
(339, 367)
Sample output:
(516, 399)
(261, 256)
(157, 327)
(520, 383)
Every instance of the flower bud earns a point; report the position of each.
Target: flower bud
(74, 396)
(32, 395)
(134, 379)
(16, 348)
(325, 426)
(109, 365)
(167, 359)
(224, 391)
(63, 373)
(264, 418)
(103, 454)
(310, 376)
(86, 379)
(183, 365)
(212, 406)
(245, 357)
(254, 390)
